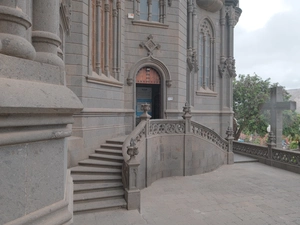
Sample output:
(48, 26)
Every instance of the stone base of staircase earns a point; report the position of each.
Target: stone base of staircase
(98, 180)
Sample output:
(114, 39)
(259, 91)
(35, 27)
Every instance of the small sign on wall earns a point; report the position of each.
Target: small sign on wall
(130, 16)
(170, 98)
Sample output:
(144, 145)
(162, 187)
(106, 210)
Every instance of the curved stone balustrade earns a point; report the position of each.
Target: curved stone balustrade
(169, 147)
(211, 5)
(209, 134)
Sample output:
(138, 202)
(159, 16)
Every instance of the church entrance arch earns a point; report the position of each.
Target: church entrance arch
(149, 90)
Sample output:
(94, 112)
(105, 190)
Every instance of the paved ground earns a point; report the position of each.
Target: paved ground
(240, 194)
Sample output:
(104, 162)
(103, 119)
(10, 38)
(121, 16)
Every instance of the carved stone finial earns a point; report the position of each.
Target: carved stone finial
(229, 133)
(187, 111)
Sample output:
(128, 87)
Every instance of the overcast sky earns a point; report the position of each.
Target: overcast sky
(267, 40)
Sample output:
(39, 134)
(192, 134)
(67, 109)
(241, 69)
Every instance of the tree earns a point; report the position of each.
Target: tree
(248, 93)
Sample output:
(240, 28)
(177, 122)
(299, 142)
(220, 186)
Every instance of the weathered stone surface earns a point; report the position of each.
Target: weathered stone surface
(211, 5)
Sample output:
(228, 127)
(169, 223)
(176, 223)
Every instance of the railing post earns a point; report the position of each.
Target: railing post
(187, 154)
(187, 117)
(145, 116)
(271, 144)
(230, 138)
(132, 192)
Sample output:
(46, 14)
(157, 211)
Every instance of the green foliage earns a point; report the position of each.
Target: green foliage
(248, 93)
(291, 124)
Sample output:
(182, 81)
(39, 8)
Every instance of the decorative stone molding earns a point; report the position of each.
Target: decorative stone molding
(65, 12)
(156, 64)
(211, 5)
(192, 61)
(150, 45)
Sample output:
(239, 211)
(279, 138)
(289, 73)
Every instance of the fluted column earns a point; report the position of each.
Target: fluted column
(14, 23)
(45, 30)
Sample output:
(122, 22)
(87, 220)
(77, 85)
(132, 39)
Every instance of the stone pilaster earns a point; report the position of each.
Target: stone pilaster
(45, 31)
(14, 24)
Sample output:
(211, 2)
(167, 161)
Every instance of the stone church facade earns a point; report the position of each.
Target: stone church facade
(74, 73)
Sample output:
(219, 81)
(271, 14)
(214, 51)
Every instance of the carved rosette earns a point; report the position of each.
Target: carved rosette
(211, 5)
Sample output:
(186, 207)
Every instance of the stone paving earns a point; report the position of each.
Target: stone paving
(240, 194)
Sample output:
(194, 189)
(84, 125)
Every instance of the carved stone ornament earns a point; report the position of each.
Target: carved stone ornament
(192, 61)
(132, 150)
(227, 67)
(65, 11)
(170, 3)
(211, 5)
(150, 45)
(229, 133)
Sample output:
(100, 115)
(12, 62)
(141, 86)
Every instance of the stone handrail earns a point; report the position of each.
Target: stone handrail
(280, 158)
(208, 134)
(136, 135)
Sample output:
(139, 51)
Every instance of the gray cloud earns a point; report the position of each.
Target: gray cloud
(273, 51)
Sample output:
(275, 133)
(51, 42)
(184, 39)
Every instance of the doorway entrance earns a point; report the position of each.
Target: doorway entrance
(148, 90)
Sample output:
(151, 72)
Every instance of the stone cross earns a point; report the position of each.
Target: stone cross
(276, 106)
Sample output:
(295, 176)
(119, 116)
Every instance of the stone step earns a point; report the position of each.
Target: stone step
(111, 146)
(96, 178)
(118, 140)
(110, 158)
(99, 205)
(98, 195)
(109, 151)
(95, 170)
(100, 163)
(97, 186)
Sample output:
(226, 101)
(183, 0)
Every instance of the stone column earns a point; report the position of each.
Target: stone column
(14, 23)
(45, 31)
(98, 37)
(115, 40)
(106, 40)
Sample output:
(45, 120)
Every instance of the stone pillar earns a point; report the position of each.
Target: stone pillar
(132, 193)
(98, 37)
(45, 31)
(230, 138)
(14, 23)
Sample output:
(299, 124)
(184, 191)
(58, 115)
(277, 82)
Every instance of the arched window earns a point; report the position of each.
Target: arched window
(206, 56)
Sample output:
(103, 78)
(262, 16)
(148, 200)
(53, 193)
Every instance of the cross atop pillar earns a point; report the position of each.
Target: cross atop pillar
(276, 106)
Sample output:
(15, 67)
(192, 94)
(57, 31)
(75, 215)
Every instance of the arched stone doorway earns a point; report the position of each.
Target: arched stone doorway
(149, 90)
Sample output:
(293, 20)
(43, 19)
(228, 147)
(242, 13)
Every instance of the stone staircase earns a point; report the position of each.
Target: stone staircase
(98, 180)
